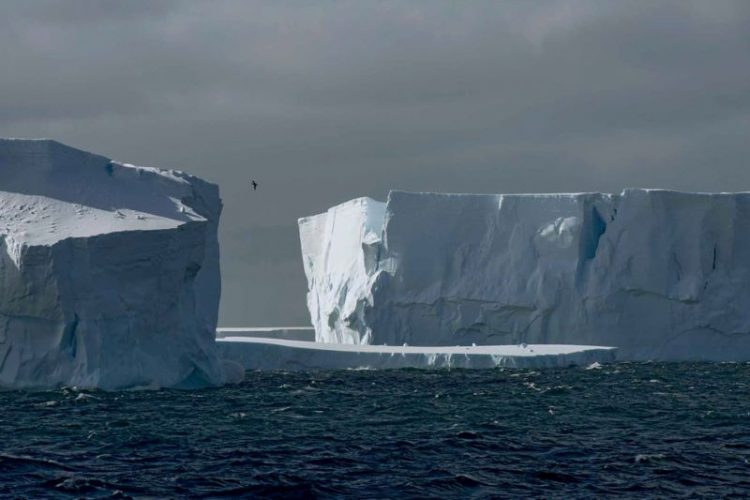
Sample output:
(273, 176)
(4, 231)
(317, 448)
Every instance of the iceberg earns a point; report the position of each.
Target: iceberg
(109, 273)
(304, 333)
(257, 353)
(660, 275)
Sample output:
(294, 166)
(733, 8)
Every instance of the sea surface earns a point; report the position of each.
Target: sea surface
(622, 430)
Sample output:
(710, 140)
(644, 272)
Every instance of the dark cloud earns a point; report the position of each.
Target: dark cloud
(324, 101)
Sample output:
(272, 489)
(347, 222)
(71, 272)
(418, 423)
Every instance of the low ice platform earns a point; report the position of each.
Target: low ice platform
(276, 332)
(255, 353)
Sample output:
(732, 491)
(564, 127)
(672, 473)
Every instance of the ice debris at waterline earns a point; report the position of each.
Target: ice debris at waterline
(283, 354)
(109, 273)
(658, 274)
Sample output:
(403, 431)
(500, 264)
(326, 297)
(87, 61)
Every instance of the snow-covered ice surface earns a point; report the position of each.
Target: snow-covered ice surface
(658, 274)
(109, 273)
(281, 354)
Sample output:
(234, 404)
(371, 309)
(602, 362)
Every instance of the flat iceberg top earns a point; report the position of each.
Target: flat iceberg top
(49, 191)
(39, 220)
(559, 195)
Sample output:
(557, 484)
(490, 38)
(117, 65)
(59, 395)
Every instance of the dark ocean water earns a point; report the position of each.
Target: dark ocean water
(628, 430)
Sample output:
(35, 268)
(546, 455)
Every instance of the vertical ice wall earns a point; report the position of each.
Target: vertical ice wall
(658, 274)
(340, 252)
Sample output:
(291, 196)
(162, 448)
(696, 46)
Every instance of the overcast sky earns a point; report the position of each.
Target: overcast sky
(324, 101)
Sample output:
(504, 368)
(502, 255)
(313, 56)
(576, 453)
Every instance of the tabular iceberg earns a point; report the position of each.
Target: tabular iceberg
(109, 273)
(258, 353)
(658, 274)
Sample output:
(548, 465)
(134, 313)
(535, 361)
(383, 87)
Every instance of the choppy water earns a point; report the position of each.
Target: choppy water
(631, 430)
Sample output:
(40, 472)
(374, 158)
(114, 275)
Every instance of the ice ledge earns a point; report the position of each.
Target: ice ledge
(280, 354)
(279, 332)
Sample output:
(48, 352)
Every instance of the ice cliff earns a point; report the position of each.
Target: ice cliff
(109, 273)
(658, 274)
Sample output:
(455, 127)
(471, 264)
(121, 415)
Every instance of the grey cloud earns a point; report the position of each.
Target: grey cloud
(324, 101)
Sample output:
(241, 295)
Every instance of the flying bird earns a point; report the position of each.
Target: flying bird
(254, 184)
